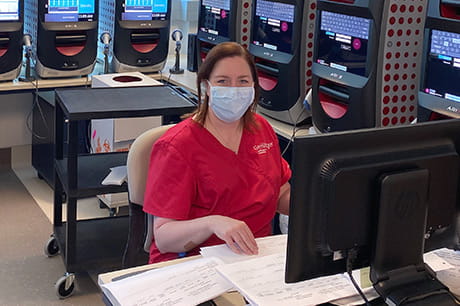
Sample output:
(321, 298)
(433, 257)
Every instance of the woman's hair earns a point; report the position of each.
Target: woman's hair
(217, 53)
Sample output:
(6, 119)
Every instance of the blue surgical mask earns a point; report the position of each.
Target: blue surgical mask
(230, 103)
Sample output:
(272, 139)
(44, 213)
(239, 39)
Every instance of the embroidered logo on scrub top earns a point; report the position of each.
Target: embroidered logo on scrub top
(263, 147)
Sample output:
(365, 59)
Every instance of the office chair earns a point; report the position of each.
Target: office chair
(140, 224)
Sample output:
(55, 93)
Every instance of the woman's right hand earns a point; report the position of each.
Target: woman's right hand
(236, 234)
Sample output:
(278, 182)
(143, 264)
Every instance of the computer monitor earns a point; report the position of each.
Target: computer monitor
(214, 19)
(440, 91)
(9, 10)
(69, 11)
(343, 42)
(144, 10)
(386, 195)
(273, 25)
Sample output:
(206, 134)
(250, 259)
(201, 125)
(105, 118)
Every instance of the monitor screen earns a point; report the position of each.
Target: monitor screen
(70, 10)
(342, 42)
(144, 10)
(215, 17)
(9, 10)
(442, 67)
(273, 25)
(373, 197)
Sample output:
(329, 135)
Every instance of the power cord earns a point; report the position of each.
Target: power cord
(294, 130)
(351, 257)
(36, 103)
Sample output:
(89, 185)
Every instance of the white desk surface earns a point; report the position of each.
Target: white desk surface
(226, 299)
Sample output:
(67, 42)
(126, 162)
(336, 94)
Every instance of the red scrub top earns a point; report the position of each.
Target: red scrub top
(192, 175)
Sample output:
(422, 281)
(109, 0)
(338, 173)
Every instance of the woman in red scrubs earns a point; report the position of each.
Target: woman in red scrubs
(218, 176)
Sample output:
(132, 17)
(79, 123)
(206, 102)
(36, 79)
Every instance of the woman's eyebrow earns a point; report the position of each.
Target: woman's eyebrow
(227, 77)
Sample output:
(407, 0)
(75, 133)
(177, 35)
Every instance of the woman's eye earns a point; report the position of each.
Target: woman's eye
(244, 81)
(221, 81)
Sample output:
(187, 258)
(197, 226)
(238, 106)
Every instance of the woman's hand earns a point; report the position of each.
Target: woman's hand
(236, 234)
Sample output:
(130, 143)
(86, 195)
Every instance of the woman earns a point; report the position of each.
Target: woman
(218, 176)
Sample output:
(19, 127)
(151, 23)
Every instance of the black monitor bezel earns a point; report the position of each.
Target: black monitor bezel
(232, 24)
(436, 104)
(277, 56)
(369, 43)
(344, 77)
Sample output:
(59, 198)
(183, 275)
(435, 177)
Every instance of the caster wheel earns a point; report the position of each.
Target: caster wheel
(51, 247)
(65, 285)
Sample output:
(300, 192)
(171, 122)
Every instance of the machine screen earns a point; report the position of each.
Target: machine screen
(273, 25)
(442, 72)
(145, 10)
(9, 10)
(342, 42)
(214, 17)
(70, 10)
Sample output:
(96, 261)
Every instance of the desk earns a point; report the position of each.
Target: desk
(80, 175)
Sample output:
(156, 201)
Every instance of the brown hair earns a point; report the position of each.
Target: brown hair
(217, 53)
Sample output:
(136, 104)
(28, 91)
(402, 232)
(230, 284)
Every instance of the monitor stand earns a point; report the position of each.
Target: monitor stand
(398, 272)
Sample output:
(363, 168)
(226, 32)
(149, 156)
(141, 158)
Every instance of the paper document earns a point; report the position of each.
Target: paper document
(261, 281)
(267, 246)
(188, 283)
(117, 176)
(450, 276)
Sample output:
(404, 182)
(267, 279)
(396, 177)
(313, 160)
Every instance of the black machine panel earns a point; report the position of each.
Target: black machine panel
(343, 42)
(11, 31)
(273, 26)
(216, 21)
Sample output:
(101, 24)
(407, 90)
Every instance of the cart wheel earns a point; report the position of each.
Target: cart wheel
(51, 247)
(65, 285)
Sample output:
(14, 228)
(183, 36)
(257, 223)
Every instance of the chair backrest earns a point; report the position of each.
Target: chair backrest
(138, 161)
(140, 226)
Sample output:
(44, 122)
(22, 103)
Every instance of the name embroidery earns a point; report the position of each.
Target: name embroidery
(263, 147)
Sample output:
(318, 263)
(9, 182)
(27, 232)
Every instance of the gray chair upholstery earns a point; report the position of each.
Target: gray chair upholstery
(140, 224)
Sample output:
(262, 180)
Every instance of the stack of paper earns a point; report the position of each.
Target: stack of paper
(188, 283)
(117, 176)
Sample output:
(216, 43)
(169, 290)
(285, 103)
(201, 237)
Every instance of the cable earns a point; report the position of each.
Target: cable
(294, 129)
(351, 256)
(42, 115)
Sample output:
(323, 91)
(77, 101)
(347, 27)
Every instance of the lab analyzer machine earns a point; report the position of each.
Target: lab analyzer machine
(65, 35)
(366, 64)
(281, 42)
(140, 34)
(440, 82)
